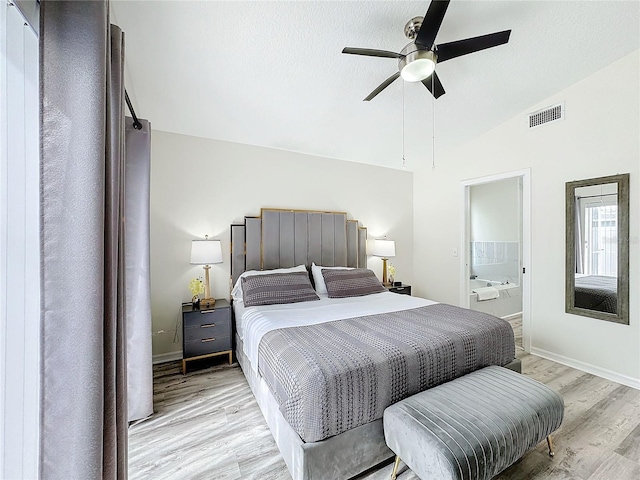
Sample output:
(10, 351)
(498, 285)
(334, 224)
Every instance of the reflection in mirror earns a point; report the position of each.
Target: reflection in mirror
(597, 248)
(596, 245)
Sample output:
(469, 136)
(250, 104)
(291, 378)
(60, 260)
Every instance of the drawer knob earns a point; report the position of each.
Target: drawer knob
(207, 325)
(212, 339)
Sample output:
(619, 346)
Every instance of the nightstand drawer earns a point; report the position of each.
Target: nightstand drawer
(206, 345)
(402, 289)
(205, 317)
(210, 327)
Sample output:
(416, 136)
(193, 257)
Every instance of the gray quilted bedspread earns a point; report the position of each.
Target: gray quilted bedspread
(335, 376)
(596, 292)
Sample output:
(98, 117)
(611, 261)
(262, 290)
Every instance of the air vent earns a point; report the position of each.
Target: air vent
(546, 115)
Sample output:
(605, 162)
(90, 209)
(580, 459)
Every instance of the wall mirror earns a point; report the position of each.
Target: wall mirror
(597, 239)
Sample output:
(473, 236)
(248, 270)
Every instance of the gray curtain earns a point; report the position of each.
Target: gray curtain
(83, 431)
(139, 354)
(578, 237)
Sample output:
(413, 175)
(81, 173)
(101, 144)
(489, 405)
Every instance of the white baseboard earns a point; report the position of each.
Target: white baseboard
(167, 357)
(513, 315)
(587, 367)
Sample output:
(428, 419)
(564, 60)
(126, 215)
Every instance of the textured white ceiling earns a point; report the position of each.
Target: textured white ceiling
(271, 73)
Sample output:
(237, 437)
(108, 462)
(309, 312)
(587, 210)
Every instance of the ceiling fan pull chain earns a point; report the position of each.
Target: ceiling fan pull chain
(404, 162)
(433, 125)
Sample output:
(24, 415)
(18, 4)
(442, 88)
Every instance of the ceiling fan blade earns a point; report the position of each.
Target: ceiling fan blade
(431, 23)
(437, 90)
(450, 50)
(382, 86)
(371, 53)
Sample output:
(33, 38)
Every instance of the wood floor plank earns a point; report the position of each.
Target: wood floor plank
(516, 324)
(630, 446)
(616, 467)
(207, 424)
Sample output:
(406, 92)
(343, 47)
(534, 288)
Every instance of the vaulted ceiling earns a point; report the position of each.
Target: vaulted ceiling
(272, 74)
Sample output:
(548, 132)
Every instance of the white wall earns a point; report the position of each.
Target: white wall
(494, 211)
(599, 137)
(201, 186)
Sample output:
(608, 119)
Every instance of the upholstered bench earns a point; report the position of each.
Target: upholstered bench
(473, 427)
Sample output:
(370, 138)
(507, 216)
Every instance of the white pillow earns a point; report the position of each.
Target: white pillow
(318, 279)
(236, 293)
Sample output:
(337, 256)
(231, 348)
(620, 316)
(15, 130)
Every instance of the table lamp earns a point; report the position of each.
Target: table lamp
(385, 249)
(206, 252)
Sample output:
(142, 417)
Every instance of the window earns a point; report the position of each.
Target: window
(601, 239)
(19, 247)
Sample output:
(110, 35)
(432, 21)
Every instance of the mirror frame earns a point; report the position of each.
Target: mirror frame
(622, 315)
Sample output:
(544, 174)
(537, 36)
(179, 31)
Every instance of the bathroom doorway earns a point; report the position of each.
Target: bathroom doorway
(496, 249)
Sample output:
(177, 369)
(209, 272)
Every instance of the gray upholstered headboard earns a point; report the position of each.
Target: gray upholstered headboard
(285, 238)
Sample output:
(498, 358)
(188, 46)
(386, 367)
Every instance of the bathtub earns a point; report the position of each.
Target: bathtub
(508, 304)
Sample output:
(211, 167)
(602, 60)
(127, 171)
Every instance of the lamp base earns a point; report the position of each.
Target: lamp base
(385, 282)
(207, 302)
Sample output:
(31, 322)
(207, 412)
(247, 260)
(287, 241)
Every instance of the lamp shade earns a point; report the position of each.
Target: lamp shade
(384, 248)
(206, 252)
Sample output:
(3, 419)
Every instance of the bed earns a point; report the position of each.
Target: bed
(323, 370)
(597, 292)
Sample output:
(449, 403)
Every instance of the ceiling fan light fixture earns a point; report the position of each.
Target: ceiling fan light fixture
(418, 70)
(417, 60)
(417, 65)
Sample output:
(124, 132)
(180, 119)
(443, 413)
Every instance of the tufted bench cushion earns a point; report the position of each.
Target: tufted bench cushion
(473, 427)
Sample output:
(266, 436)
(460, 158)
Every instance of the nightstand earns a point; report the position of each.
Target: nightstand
(402, 289)
(206, 332)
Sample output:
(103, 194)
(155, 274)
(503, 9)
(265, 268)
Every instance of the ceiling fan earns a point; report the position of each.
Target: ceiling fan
(417, 60)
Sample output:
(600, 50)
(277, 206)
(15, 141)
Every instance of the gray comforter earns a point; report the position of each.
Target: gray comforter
(596, 292)
(333, 377)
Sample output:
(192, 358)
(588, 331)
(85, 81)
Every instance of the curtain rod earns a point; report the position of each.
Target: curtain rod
(136, 123)
(601, 195)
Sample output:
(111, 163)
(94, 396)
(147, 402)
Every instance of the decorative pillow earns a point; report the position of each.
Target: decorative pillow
(277, 288)
(318, 279)
(351, 283)
(236, 293)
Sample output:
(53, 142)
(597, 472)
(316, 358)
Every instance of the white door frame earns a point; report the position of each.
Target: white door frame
(465, 259)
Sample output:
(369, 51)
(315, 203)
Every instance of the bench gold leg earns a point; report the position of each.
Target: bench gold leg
(395, 468)
(550, 444)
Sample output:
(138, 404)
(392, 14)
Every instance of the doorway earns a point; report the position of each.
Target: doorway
(496, 249)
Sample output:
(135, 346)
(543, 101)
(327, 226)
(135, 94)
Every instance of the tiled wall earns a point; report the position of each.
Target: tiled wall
(499, 261)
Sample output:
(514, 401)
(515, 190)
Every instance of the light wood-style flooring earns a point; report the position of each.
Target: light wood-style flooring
(516, 324)
(208, 425)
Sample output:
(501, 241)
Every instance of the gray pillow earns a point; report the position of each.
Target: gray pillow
(351, 283)
(277, 288)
